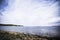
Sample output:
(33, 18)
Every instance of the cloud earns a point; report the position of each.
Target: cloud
(31, 13)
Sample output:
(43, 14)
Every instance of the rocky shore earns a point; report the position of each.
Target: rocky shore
(6, 35)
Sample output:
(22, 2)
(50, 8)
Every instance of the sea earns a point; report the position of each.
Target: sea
(49, 31)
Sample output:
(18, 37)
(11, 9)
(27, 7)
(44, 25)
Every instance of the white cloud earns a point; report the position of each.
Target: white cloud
(31, 13)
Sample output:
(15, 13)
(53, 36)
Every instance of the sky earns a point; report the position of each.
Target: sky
(31, 13)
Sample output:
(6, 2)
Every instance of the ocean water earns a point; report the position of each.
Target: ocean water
(43, 31)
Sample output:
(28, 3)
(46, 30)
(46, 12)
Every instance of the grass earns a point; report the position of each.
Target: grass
(20, 36)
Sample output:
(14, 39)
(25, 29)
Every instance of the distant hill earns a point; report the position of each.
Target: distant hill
(9, 25)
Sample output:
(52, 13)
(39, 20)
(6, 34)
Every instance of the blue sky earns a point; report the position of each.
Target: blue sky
(31, 13)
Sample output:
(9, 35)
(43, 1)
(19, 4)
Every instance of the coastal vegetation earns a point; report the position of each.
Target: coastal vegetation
(9, 25)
